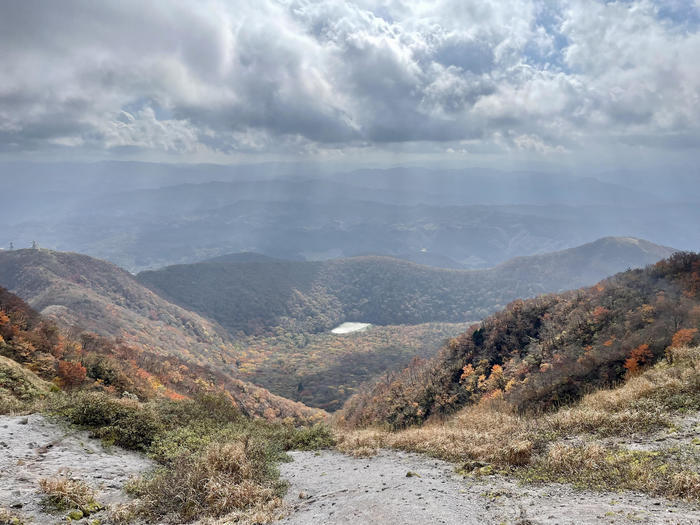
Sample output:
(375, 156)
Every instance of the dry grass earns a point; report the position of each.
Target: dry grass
(224, 480)
(599, 467)
(641, 404)
(7, 517)
(486, 432)
(530, 446)
(64, 493)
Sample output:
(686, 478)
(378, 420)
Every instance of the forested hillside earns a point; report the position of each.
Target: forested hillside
(94, 295)
(90, 362)
(549, 350)
(254, 297)
(322, 370)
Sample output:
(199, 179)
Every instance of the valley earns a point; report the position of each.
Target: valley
(324, 369)
(350, 262)
(494, 401)
(269, 321)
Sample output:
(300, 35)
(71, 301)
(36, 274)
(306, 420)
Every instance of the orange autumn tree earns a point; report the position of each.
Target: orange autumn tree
(683, 337)
(71, 374)
(638, 358)
(5, 326)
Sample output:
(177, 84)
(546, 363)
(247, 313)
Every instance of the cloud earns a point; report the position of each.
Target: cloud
(299, 76)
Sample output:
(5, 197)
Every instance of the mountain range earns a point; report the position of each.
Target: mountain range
(142, 216)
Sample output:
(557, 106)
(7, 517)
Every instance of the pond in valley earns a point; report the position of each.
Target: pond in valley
(347, 328)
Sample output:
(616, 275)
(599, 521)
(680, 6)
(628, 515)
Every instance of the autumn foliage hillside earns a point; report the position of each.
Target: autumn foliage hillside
(87, 361)
(94, 295)
(546, 351)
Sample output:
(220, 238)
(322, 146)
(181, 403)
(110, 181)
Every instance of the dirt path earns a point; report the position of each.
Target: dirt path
(331, 488)
(32, 447)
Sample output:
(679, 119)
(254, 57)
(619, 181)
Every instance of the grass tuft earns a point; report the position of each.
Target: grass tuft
(7, 517)
(63, 493)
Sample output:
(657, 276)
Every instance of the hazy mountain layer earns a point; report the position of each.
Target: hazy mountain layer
(145, 216)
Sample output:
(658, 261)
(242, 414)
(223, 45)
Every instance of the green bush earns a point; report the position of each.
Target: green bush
(122, 422)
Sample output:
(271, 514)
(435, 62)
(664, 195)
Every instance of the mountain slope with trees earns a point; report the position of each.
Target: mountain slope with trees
(550, 350)
(85, 294)
(87, 361)
(94, 295)
(254, 297)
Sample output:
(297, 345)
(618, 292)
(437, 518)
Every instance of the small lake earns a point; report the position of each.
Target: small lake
(347, 328)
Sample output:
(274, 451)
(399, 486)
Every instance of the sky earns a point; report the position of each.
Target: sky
(574, 82)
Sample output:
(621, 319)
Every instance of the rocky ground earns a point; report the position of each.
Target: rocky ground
(396, 487)
(33, 447)
(328, 487)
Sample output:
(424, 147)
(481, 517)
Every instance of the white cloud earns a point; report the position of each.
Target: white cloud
(301, 76)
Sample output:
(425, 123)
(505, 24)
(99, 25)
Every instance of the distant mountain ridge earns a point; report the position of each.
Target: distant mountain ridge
(256, 296)
(145, 216)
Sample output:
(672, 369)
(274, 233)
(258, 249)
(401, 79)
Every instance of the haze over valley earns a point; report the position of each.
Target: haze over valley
(466, 218)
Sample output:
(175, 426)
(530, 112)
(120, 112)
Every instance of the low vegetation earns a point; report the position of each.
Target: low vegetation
(213, 461)
(581, 444)
(66, 494)
(7, 517)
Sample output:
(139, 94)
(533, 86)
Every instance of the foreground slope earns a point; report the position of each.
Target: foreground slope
(624, 455)
(254, 297)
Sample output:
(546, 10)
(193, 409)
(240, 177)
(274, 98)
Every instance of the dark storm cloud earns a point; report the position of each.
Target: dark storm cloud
(294, 75)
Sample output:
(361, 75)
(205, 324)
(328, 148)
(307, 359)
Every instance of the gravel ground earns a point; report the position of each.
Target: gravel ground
(331, 488)
(33, 447)
(327, 488)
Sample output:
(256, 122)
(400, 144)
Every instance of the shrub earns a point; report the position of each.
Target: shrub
(123, 422)
(71, 374)
(8, 517)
